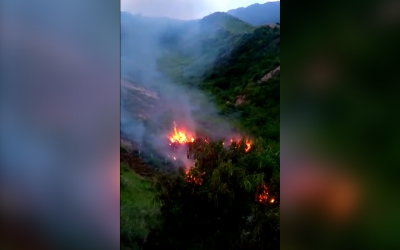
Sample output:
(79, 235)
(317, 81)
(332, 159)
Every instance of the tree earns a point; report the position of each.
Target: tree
(216, 204)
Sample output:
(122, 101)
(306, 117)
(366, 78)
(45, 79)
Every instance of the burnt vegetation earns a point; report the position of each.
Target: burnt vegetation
(230, 198)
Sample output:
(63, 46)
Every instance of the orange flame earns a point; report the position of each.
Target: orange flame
(248, 146)
(264, 194)
(180, 136)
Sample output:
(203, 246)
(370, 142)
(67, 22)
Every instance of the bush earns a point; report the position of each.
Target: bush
(210, 207)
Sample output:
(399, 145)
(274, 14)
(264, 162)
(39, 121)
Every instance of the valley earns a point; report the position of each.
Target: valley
(200, 133)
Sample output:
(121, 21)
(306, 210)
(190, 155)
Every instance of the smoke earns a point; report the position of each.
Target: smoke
(151, 100)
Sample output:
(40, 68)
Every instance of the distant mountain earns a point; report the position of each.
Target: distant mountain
(258, 14)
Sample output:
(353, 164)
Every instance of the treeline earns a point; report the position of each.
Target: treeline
(229, 200)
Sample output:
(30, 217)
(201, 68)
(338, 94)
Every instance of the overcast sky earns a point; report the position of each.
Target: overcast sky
(183, 9)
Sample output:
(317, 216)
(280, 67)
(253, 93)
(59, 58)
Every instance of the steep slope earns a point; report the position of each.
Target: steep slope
(139, 210)
(190, 44)
(219, 53)
(223, 21)
(239, 81)
(196, 45)
(258, 14)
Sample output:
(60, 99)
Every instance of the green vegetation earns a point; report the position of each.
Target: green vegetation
(242, 60)
(140, 210)
(191, 49)
(226, 58)
(219, 209)
(239, 74)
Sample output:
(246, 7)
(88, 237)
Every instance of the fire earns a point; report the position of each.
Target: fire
(183, 137)
(248, 146)
(191, 179)
(180, 136)
(264, 194)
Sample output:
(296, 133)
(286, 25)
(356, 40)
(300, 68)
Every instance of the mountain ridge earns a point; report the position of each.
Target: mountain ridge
(258, 14)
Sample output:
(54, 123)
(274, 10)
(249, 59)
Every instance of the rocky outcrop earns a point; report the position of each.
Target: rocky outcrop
(273, 25)
(270, 74)
(141, 90)
(239, 100)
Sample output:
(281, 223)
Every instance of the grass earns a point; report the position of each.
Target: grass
(139, 210)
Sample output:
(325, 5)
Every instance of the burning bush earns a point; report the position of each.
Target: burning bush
(210, 203)
(179, 138)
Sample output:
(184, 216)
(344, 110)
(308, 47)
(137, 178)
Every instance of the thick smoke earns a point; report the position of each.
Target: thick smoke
(150, 100)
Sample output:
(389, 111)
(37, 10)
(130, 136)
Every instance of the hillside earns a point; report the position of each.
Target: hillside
(190, 44)
(238, 81)
(258, 14)
(234, 76)
(215, 80)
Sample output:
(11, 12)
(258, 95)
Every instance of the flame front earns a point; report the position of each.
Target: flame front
(248, 146)
(180, 136)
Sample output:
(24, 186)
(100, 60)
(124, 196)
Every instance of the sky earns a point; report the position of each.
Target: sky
(183, 9)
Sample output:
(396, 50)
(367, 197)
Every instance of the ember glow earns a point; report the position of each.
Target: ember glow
(180, 136)
(264, 195)
(191, 179)
(248, 144)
